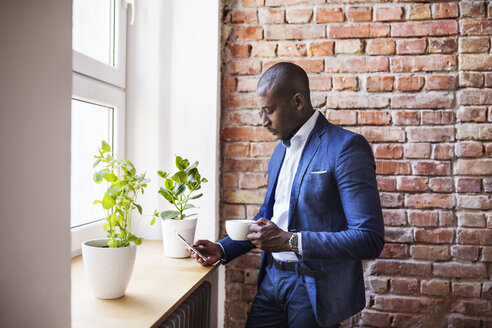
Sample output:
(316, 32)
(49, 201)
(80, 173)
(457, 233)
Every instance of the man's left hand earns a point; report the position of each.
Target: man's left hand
(268, 237)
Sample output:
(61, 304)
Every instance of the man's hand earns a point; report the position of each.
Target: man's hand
(267, 236)
(212, 251)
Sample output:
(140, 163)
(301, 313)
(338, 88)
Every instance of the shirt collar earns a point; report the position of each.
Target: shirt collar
(303, 133)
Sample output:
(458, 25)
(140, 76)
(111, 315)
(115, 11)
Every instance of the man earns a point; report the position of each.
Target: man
(320, 217)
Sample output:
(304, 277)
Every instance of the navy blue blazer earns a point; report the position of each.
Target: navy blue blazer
(335, 205)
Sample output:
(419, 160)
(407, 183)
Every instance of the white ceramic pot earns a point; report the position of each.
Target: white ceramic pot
(108, 270)
(173, 246)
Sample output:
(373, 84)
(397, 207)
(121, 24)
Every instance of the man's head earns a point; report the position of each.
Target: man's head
(284, 100)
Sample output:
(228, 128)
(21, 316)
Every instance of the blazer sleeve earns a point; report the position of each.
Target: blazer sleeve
(356, 182)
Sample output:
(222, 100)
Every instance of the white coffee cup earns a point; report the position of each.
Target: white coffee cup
(238, 229)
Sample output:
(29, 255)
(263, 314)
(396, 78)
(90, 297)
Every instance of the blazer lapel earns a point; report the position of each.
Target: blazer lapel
(274, 170)
(310, 149)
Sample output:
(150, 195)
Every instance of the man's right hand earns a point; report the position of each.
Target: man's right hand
(211, 250)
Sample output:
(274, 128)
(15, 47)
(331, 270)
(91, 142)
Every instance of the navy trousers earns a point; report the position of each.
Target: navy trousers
(282, 301)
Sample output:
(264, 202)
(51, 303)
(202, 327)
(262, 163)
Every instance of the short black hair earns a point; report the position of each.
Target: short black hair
(285, 79)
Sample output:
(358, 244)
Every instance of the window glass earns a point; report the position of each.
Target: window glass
(91, 123)
(94, 29)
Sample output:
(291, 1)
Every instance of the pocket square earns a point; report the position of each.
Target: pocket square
(318, 172)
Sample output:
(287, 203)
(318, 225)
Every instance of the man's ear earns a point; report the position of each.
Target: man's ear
(299, 100)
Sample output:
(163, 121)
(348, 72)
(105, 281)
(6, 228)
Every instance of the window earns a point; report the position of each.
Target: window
(98, 105)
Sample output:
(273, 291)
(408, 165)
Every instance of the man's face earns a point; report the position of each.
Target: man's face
(278, 113)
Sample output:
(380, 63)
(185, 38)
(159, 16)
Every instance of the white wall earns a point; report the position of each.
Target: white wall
(172, 97)
(35, 91)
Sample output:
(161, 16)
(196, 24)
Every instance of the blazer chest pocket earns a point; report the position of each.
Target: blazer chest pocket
(317, 178)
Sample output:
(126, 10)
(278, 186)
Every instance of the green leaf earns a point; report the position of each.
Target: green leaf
(169, 184)
(98, 176)
(96, 162)
(204, 180)
(162, 174)
(166, 194)
(139, 208)
(196, 196)
(169, 215)
(153, 221)
(110, 177)
(179, 189)
(180, 164)
(194, 165)
(115, 189)
(188, 206)
(108, 202)
(180, 177)
(105, 147)
(96, 202)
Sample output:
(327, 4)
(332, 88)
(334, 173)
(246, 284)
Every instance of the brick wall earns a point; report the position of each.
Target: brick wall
(413, 77)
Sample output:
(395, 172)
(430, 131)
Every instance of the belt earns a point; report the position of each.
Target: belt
(291, 266)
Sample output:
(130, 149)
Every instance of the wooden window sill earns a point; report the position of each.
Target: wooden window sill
(158, 286)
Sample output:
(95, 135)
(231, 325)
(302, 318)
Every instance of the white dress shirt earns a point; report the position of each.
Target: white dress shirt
(293, 152)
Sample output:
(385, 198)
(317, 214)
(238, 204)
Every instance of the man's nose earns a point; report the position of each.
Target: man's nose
(266, 120)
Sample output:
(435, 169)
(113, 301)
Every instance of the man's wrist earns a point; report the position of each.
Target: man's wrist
(294, 243)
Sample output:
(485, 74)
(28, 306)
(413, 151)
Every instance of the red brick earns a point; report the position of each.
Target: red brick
(434, 236)
(263, 149)
(244, 17)
(321, 48)
(441, 82)
(320, 83)
(329, 15)
(459, 270)
(437, 117)
(411, 46)
(229, 84)
(392, 167)
(443, 45)
(229, 180)
(351, 46)
(469, 149)
(394, 251)
(394, 217)
(240, 100)
(473, 166)
(406, 117)
(359, 14)
(475, 202)
(383, 134)
(487, 290)
(437, 134)
(249, 32)
(435, 252)
(253, 180)
(464, 253)
(294, 32)
(446, 219)
(379, 83)
(247, 83)
(247, 134)
(264, 49)
(475, 97)
(475, 236)
(475, 62)
(245, 165)
(380, 47)
(423, 218)
(388, 151)
(299, 16)
(419, 12)
(429, 201)
(487, 254)
(244, 196)
(404, 286)
(341, 83)
(292, 49)
(393, 267)
(473, 307)
(253, 3)
(369, 30)
(276, 3)
(240, 50)
(472, 114)
(271, 16)
(309, 65)
(342, 117)
(412, 184)
(398, 234)
(375, 319)
(434, 287)
(374, 118)
(472, 9)
(408, 304)
(378, 284)
(391, 200)
(431, 168)
(441, 184)
(444, 10)
(468, 184)
(357, 64)
(428, 28)
(476, 26)
(474, 45)
(471, 219)
(234, 149)
(423, 63)
(234, 212)
(356, 100)
(417, 150)
(471, 80)
(386, 183)
(245, 67)
(409, 83)
(388, 14)
(443, 151)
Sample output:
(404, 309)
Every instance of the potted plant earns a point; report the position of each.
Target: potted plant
(178, 190)
(109, 262)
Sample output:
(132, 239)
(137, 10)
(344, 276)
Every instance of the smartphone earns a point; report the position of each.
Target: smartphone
(191, 247)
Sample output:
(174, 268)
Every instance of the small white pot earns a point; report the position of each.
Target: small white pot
(108, 270)
(173, 246)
